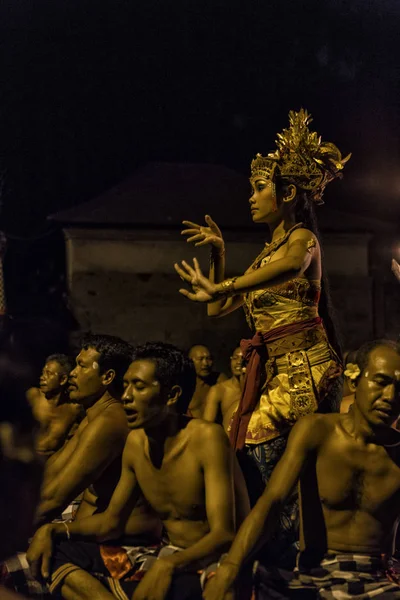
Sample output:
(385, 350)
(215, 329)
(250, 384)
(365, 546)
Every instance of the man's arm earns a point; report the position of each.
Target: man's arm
(95, 448)
(212, 404)
(56, 463)
(111, 523)
(262, 520)
(99, 527)
(57, 433)
(216, 460)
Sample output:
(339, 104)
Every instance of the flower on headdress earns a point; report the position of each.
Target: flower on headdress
(352, 371)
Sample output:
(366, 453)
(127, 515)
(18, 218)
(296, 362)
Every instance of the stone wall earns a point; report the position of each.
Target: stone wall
(124, 283)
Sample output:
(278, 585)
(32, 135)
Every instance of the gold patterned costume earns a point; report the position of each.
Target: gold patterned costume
(299, 367)
(291, 368)
(290, 337)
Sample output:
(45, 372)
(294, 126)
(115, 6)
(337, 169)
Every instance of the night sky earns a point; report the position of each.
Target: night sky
(91, 90)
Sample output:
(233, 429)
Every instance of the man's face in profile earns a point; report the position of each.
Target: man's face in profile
(52, 378)
(85, 379)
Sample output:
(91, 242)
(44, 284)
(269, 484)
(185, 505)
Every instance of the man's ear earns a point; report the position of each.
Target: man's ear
(352, 383)
(174, 394)
(108, 377)
(290, 193)
(63, 379)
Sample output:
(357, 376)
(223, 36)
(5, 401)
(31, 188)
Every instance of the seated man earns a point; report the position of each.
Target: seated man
(92, 457)
(223, 398)
(348, 470)
(183, 468)
(205, 378)
(57, 416)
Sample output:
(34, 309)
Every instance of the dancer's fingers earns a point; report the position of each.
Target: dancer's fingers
(184, 276)
(189, 269)
(191, 224)
(198, 236)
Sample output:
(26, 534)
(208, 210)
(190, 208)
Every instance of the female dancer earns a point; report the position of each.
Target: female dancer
(293, 360)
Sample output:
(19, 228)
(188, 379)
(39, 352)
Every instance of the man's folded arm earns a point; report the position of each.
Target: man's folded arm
(97, 446)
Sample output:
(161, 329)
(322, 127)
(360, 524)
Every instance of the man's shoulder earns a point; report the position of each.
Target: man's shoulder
(221, 386)
(314, 428)
(135, 438)
(111, 420)
(202, 433)
(221, 377)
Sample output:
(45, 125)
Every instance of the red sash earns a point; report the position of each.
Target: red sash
(255, 354)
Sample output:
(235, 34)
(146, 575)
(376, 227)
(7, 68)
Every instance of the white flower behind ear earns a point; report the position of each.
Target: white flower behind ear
(352, 371)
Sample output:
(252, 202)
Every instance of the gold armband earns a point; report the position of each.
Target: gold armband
(227, 287)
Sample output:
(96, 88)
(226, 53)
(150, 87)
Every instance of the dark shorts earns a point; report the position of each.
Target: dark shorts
(70, 556)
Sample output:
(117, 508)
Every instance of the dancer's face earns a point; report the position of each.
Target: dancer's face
(263, 204)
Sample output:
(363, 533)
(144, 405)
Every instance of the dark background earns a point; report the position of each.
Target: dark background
(91, 90)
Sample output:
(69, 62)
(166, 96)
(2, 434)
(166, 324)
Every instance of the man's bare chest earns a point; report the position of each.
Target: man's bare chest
(350, 479)
(175, 489)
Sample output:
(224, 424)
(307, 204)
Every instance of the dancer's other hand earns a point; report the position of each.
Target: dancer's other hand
(204, 290)
(202, 235)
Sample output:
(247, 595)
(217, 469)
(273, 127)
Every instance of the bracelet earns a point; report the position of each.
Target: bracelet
(67, 530)
(227, 287)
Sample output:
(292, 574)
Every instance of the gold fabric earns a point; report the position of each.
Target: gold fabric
(298, 365)
(291, 302)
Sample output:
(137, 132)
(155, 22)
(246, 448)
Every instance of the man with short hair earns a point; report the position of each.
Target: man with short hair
(57, 415)
(223, 398)
(91, 459)
(182, 466)
(205, 378)
(348, 469)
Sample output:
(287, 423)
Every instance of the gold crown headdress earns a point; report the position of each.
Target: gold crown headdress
(302, 158)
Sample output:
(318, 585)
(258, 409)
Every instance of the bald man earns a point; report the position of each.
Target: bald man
(205, 378)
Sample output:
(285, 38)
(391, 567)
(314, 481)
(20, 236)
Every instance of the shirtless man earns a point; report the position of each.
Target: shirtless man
(205, 378)
(348, 470)
(92, 457)
(223, 398)
(51, 406)
(184, 469)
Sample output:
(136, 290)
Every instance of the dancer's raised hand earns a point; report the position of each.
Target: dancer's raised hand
(203, 289)
(201, 235)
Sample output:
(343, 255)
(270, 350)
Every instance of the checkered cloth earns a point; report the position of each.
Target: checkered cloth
(336, 577)
(15, 573)
(16, 576)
